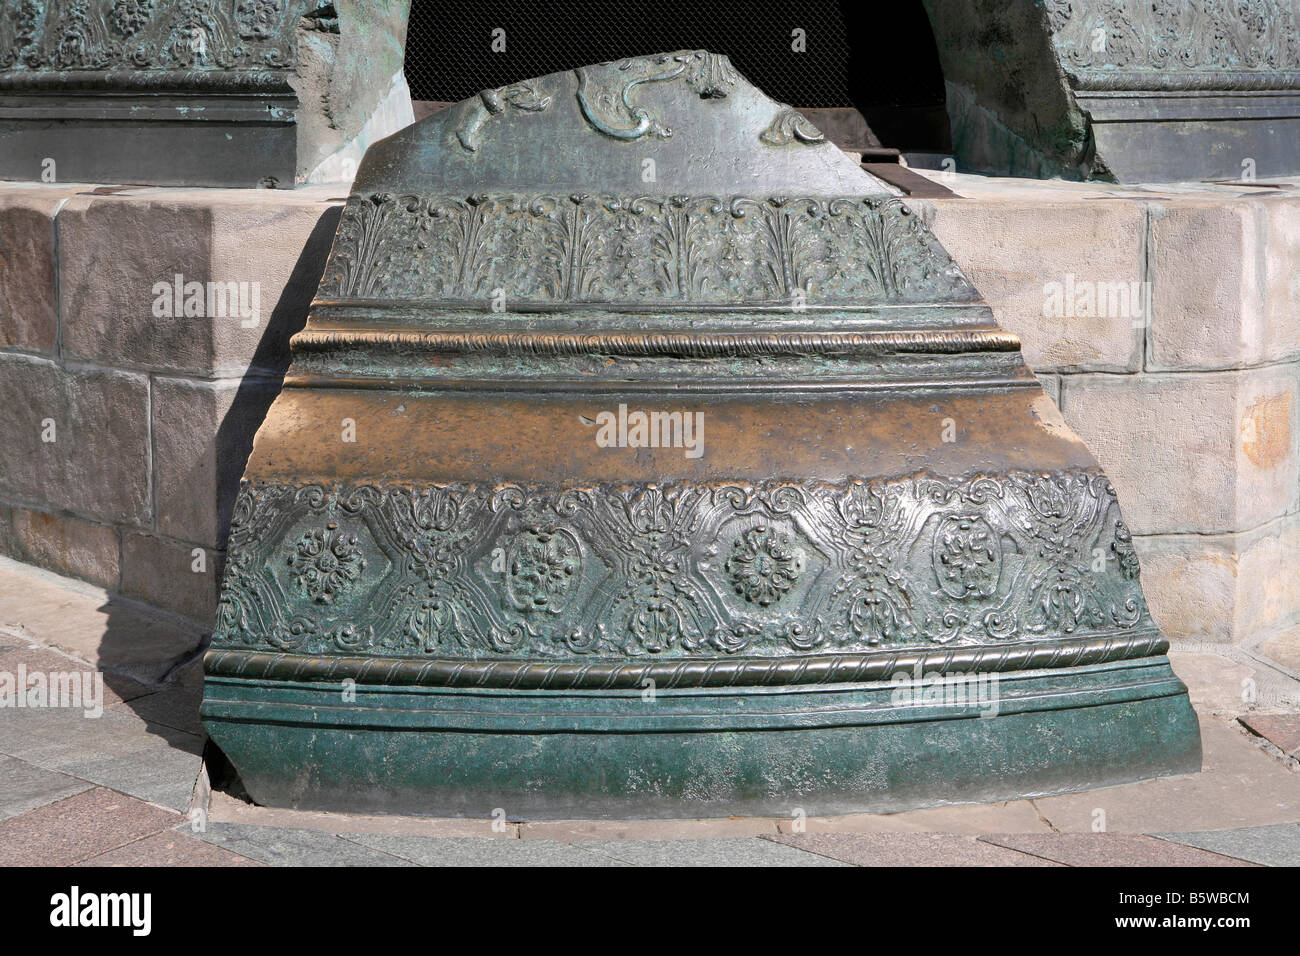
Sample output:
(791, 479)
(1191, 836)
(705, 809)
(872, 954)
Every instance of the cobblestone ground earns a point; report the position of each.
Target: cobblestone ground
(129, 788)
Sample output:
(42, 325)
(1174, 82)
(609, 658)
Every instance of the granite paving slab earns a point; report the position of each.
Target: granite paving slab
(45, 661)
(159, 775)
(281, 846)
(25, 786)
(1281, 730)
(169, 848)
(224, 808)
(1109, 849)
(175, 706)
(907, 849)
(1240, 786)
(481, 851)
(1016, 816)
(87, 622)
(117, 750)
(1277, 845)
(79, 827)
(583, 830)
(727, 851)
(52, 736)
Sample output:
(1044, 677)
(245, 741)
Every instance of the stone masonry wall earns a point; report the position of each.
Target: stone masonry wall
(1191, 407)
(124, 433)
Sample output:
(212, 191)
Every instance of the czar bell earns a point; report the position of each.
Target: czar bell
(534, 621)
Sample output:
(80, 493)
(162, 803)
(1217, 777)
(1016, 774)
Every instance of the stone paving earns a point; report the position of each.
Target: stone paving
(128, 787)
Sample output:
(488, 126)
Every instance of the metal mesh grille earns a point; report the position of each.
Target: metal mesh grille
(449, 52)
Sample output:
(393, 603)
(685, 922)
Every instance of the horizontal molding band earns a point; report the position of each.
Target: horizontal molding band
(1082, 79)
(108, 82)
(663, 386)
(483, 306)
(621, 317)
(667, 674)
(687, 344)
(259, 111)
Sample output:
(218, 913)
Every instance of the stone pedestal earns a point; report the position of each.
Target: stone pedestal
(191, 92)
(1126, 90)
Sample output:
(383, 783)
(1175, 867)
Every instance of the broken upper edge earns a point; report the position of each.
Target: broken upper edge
(684, 123)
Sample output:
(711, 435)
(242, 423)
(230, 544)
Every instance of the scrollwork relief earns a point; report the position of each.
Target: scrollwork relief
(791, 126)
(682, 569)
(523, 97)
(146, 35)
(606, 90)
(1176, 35)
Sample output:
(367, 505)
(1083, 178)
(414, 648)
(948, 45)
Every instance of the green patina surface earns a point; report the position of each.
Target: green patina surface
(846, 748)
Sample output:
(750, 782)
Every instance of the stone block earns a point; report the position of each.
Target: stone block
(1269, 593)
(1207, 298)
(1191, 583)
(282, 247)
(97, 464)
(203, 432)
(28, 307)
(275, 91)
(248, 263)
(1207, 452)
(113, 249)
(1022, 254)
(162, 572)
(1052, 386)
(1223, 588)
(63, 543)
(1281, 338)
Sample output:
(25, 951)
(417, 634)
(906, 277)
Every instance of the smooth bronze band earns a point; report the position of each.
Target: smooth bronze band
(745, 672)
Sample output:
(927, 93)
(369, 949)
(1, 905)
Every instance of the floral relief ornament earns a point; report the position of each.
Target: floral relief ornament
(327, 564)
(624, 570)
(764, 565)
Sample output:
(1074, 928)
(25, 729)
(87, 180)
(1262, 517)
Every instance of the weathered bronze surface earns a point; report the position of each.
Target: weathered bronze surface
(643, 456)
(1126, 90)
(190, 92)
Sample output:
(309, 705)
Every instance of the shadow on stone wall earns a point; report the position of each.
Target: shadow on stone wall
(160, 674)
(265, 376)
